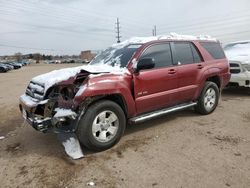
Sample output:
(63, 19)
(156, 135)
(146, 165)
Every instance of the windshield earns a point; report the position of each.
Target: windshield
(115, 57)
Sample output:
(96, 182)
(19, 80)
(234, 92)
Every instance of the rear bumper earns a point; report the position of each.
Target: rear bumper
(28, 107)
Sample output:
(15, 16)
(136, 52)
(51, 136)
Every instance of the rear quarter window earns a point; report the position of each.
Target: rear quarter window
(214, 49)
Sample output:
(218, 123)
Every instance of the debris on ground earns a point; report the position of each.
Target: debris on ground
(91, 183)
(71, 145)
(237, 154)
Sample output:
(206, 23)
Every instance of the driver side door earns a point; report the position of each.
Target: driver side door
(155, 88)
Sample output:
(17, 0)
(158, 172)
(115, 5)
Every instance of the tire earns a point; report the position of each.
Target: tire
(208, 99)
(102, 126)
(2, 69)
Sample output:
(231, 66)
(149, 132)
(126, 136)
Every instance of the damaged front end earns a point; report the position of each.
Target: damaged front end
(54, 109)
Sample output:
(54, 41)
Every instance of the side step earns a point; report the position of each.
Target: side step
(154, 114)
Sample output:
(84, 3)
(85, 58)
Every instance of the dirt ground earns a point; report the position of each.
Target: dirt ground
(183, 149)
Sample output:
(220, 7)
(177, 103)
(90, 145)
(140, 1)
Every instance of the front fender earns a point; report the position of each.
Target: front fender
(98, 87)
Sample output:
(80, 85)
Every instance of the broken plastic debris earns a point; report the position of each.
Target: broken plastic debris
(71, 145)
(91, 183)
(2, 137)
(60, 112)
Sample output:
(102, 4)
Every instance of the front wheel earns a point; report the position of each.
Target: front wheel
(102, 126)
(208, 99)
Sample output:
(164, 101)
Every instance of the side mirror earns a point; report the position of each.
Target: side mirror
(145, 63)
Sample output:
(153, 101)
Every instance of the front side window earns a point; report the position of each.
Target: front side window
(161, 53)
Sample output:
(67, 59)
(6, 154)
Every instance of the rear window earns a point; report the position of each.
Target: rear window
(214, 49)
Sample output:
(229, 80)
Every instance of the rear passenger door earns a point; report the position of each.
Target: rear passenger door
(189, 66)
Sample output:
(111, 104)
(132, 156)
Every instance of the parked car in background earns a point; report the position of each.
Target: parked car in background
(238, 54)
(3, 68)
(15, 65)
(132, 81)
(8, 67)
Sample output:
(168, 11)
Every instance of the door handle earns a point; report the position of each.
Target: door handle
(171, 71)
(200, 66)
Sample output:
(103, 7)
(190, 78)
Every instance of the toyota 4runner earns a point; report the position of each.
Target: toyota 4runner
(130, 82)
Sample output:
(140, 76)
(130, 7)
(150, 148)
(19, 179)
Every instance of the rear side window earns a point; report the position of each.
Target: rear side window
(161, 53)
(186, 53)
(196, 55)
(214, 49)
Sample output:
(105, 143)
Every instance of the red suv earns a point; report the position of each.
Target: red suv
(133, 81)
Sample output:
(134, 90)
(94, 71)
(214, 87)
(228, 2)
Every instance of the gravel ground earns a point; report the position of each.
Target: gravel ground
(183, 149)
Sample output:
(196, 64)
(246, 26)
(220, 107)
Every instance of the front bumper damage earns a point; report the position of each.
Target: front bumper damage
(62, 121)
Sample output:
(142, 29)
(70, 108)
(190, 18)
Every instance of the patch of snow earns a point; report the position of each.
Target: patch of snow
(91, 183)
(61, 112)
(2, 137)
(56, 76)
(29, 101)
(134, 63)
(81, 90)
(36, 87)
(172, 36)
(71, 145)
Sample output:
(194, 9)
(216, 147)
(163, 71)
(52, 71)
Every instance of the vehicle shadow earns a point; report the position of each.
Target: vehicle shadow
(157, 121)
(236, 92)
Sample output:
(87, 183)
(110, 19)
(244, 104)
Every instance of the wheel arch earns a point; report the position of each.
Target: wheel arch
(216, 80)
(117, 98)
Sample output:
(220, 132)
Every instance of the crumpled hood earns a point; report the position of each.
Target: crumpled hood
(56, 76)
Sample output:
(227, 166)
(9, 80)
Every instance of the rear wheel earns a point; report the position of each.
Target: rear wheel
(208, 99)
(102, 126)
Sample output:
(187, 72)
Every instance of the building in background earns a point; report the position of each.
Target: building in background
(87, 55)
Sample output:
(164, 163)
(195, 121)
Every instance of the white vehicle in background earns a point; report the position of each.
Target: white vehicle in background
(238, 54)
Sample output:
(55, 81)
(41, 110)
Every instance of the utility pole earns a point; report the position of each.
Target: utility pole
(118, 27)
(154, 31)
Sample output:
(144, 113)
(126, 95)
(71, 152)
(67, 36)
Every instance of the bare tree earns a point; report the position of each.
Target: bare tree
(18, 57)
(37, 57)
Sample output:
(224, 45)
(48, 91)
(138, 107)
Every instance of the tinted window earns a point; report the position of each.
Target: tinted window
(214, 49)
(184, 53)
(196, 55)
(161, 53)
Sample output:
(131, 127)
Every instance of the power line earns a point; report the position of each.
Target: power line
(27, 48)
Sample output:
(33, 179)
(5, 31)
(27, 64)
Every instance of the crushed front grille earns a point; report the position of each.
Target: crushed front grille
(35, 91)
